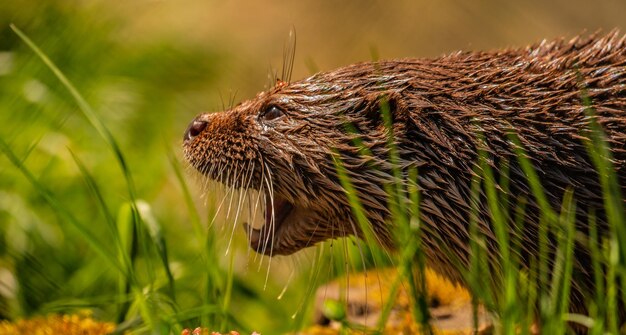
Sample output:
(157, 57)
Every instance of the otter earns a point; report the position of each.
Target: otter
(283, 142)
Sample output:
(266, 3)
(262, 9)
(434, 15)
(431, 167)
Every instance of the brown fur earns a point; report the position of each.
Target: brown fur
(438, 107)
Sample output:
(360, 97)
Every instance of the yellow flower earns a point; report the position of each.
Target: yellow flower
(73, 324)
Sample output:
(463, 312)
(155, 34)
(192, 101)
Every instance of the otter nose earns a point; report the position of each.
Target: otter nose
(194, 129)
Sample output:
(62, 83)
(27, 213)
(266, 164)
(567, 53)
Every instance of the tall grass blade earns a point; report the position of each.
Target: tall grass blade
(155, 231)
(89, 113)
(404, 198)
(547, 219)
(94, 242)
(598, 305)
(100, 127)
(597, 146)
(127, 250)
(563, 262)
(506, 272)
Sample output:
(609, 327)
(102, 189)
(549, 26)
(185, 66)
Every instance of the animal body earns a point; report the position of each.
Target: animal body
(282, 143)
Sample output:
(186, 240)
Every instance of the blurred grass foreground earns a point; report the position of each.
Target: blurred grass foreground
(92, 197)
(95, 212)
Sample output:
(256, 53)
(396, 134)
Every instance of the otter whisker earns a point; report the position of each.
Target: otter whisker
(255, 197)
(289, 54)
(270, 196)
(221, 203)
(205, 182)
(282, 292)
(221, 98)
(231, 178)
(220, 172)
(231, 102)
(314, 275)
(258, 197)
(317, 225)
(263, 198)
(272, 226)
(242, 192)
(251, 218)
(251, 209)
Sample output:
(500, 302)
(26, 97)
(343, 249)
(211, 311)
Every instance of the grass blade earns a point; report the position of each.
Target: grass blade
(93, 241)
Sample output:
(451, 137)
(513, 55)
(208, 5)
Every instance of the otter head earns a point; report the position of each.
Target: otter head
(286, 144)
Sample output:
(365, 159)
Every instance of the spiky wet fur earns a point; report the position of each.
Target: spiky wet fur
(439, 106)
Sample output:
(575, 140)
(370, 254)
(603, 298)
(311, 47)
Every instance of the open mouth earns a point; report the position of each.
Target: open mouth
(276, 212)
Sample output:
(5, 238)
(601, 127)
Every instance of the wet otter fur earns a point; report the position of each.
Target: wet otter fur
(282, 142)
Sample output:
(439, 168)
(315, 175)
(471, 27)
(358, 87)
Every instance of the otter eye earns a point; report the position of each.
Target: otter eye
(272, 113)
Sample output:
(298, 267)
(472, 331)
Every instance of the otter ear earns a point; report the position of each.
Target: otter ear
(380, 105)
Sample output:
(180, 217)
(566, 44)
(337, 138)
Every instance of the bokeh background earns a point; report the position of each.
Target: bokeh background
(147, 67)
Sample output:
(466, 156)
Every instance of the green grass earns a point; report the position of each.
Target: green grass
(134, 233)
(519, 297)
(97, 212)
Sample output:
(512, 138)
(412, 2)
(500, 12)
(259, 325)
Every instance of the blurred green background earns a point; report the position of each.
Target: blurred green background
(147, 67)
